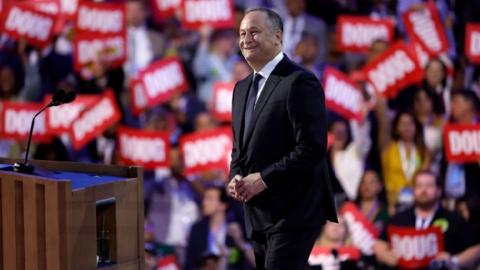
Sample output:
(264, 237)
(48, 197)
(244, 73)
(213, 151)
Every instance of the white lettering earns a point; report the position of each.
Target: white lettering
(29, 24)
(207, 10)
(103, 21)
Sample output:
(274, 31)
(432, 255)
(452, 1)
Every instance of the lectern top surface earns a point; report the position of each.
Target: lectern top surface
(78, 180)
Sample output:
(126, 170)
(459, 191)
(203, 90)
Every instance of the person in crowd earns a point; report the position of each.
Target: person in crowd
(428, 111)
(144, 43)
(214, 59)
(298, 22)
(427, 212)
(172, 206)
(403, 152)
(461, 179)
(347, 154)
(334, 240)
(306, 54)
(370, 201)
(216, 234)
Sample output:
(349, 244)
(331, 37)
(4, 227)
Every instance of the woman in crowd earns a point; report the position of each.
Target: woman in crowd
(403, 152)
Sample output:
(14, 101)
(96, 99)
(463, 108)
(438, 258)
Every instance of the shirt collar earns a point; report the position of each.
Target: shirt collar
(270, 66)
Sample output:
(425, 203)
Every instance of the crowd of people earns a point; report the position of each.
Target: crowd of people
(391, 165)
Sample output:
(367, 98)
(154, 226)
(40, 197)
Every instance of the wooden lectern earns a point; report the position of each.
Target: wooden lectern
(68, 216)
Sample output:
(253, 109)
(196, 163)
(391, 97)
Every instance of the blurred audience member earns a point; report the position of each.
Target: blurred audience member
(403, 153)
(215, 234)
(296, 23)
(144, 44)
(427, 212)
(370, 201)
(214, 59)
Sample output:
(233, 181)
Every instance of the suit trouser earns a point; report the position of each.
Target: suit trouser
(283, 250)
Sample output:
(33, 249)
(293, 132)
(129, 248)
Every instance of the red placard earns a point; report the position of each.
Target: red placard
(324, 255)
(356, 33)
(395, 69)
(165, 9)
(415, 248)
(363, 232)
(101, 18)
(90, 47)
(462, 143)
(168, 263)
(215, 13)
(17, 118)
(150, 149)
(472, 42)
(222, 101)
(162, 79)
(92, 122)
(138, 97)
(27, 22)
(342, 95)
(60, 118)
(206, 150)
(425, 27)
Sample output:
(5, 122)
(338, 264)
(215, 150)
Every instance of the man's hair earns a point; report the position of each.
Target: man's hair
(438, 183)
(275, 20)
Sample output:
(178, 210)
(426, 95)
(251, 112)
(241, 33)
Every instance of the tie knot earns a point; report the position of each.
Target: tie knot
(256, 78)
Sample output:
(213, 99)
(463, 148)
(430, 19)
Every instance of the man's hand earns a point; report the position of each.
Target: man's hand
(231, 187)
(249, 186)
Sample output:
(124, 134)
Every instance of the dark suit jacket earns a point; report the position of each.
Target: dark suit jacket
(286, 143)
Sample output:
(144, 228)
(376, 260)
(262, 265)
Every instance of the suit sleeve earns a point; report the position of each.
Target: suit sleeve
(234, 167)
(307, 115)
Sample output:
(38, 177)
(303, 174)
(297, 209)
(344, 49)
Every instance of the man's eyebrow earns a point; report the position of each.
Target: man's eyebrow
(249, 28)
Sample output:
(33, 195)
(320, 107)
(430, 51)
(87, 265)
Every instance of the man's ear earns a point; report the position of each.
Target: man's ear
(279, 36)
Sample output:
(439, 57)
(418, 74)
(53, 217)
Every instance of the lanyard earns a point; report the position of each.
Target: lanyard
(409, 164)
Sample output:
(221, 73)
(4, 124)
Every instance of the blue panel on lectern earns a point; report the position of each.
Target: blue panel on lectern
(78, 180)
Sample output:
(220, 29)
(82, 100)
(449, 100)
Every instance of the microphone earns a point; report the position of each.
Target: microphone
(59, 97)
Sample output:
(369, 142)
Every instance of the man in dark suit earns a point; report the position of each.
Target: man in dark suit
(278, 166)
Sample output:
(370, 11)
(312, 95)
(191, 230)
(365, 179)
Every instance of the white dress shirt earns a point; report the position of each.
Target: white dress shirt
(266, 71)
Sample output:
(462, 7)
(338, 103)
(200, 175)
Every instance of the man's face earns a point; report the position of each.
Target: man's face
(425, 191)
(258, 42)
(211, 202)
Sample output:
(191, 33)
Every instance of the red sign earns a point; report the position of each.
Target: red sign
(342, 95)
(101, 18)
(22, 21)
(92, 122)
(222, 101)
(164, 9)
(168, 263)
(161, 79)
(138, 97)
(149, 149)
(462, 143)
(17, 119)
(415, 248)
(206, 150)
(356, 33)
(60, 118)
(425, 27)
(395, 69)
(89, 48)
(472, 42)
(363, 232)
(324, 255)
(215, 13)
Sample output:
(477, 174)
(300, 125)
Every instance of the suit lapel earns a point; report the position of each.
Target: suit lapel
(243, 86)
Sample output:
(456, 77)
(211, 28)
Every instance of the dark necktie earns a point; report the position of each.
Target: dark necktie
(252, 96)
